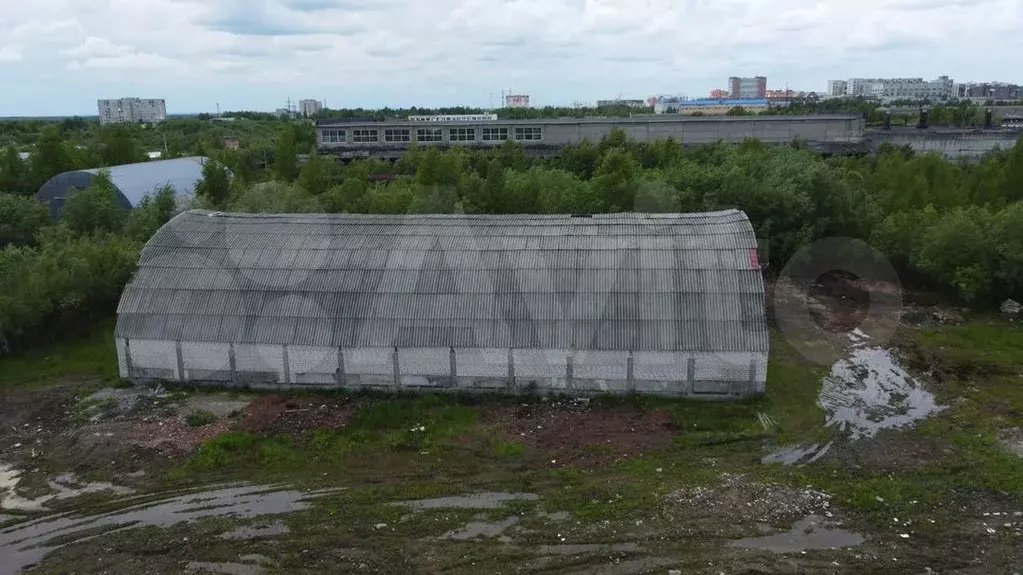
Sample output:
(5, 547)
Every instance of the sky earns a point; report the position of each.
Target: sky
(57, 57)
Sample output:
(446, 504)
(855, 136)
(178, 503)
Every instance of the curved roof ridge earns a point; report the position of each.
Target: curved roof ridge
(674, 282)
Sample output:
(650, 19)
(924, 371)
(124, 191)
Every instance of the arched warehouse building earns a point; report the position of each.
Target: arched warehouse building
(667, 304)
(133, 182)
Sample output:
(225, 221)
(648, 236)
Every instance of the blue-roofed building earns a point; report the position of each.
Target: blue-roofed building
(132, 181)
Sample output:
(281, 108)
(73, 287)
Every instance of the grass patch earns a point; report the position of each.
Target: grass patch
(975, 346)
(509, 449)
(92, 356)
(199, 419)
(233, 450)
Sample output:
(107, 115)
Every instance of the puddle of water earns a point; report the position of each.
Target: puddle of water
(27, 543)
(257, 531)
(869, 391)
(225, 568)
(257, 558)
(556, 516)
(589, 548)
(630, 567)
(481, 528)
(807, 534)
(798, 454)
(471, 501)
(864, 394)
(64, 486)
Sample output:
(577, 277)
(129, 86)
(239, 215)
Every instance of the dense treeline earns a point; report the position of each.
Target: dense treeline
(55, 278)
(955, 227)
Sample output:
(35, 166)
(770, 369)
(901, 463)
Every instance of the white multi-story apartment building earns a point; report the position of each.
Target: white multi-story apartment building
(131, 111)
(837, 88)
(888, 89)
(309, 108)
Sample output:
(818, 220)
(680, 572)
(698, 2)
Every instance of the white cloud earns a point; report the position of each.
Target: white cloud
(94, 47)
(11, 53)
(255, 54)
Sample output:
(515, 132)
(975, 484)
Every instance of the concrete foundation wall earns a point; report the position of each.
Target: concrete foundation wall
(517, 370)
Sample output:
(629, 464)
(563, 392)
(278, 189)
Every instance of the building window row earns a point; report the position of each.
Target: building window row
(462, 135)
(333, 136)
(495, 134)
(532, 133)
(396, 135)
(364, 136)
(404, 135)
(430, 135)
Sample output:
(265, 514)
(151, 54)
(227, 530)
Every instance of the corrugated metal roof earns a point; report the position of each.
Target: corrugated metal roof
(658, 282)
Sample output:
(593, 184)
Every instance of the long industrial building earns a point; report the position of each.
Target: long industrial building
(668, 304)
(387, 139)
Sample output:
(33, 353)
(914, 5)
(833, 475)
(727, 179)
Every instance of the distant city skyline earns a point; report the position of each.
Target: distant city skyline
(62, 55)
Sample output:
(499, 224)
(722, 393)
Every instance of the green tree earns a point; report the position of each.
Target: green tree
(615, 180)
(51, 157)
(581, 159)
(408, 164)
(1012, 176)
(151, 213)
(958, 252)
(95, 210)
(656, 195)
(276, 197)
(286, 155)
(117, 146)
(492, 195)
(215, 185)
(314, 176)
(20, 218)
(430, 168)
(617, 138)
(392, 198)
(346, 197)
(12, 172)
(512, 155)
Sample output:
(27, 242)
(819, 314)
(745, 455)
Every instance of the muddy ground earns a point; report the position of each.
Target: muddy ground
(911, 466)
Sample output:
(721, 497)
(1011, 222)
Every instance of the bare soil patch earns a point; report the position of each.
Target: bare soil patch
(575, 434)
(277, 415)
(171, 436)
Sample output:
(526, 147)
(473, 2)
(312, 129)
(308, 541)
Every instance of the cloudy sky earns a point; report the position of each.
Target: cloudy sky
(58, 56)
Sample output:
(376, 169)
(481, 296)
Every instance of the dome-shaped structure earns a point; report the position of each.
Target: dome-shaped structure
(662, 303)
(132, 181)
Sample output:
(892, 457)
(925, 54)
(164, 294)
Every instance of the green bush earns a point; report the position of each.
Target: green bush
(96, 210)
(199, 419)
(21, 218)
(66, 280)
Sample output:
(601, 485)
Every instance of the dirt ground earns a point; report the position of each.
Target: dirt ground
(232, 482)
(598, 437)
